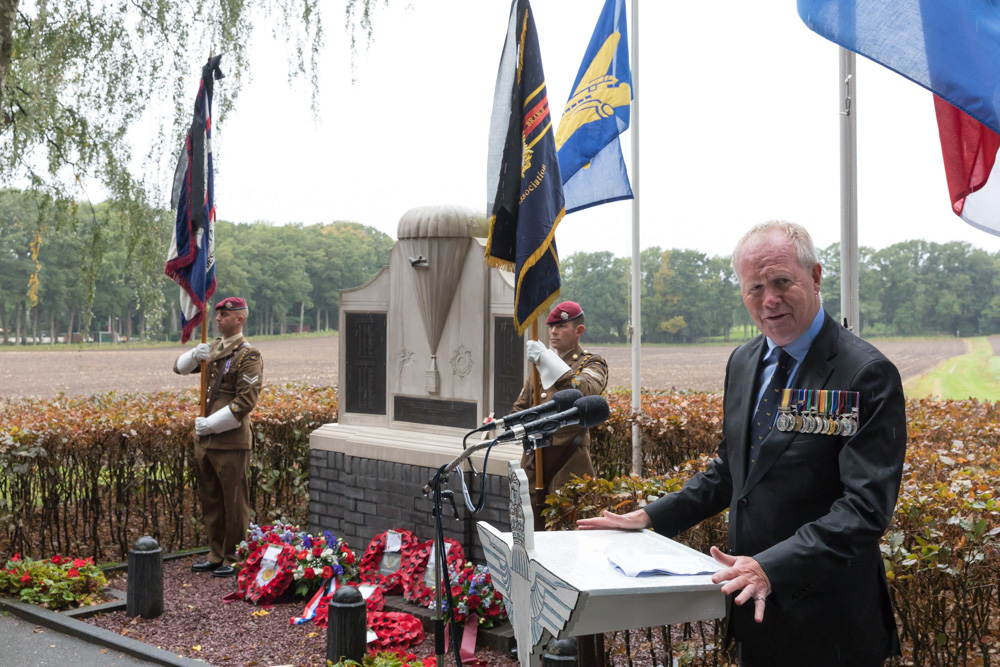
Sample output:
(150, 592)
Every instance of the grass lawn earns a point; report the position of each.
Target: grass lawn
(972, 375)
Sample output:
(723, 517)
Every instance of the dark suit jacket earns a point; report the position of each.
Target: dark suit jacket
(811, 511)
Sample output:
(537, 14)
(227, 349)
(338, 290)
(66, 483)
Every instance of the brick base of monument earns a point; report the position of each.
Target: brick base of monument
(357, 498)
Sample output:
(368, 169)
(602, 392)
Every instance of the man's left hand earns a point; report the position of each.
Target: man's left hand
(743, 572)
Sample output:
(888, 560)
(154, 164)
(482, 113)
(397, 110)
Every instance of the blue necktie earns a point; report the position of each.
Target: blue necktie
(770, 401)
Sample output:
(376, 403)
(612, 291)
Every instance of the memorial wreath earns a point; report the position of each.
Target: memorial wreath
(417, 581)
(275, 556)
(374, 571)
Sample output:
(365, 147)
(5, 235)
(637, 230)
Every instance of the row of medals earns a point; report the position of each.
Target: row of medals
(827, 412)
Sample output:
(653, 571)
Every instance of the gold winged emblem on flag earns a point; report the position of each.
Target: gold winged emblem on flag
(597, 95)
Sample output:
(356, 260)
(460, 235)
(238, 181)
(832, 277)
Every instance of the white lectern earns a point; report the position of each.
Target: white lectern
(560, 584)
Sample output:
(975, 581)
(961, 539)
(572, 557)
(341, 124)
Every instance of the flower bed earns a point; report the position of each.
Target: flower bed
(58, 583)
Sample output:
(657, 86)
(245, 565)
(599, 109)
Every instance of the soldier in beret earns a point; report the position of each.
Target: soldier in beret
(223, 438)
(565, 366)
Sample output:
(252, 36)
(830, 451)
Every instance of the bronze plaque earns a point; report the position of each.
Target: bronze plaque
(457, 414)
(365, 363)
(508, 365)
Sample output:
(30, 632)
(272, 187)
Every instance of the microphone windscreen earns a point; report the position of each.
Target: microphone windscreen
(593, 410)
(566, 398)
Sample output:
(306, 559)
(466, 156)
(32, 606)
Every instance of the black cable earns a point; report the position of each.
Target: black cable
(446, 579)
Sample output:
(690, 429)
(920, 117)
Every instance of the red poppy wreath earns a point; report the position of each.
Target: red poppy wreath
(385, 568)
(267, 573)
(418, 586)
(394, 630)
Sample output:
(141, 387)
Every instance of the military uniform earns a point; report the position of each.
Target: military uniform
(222, 460)
(570, 451)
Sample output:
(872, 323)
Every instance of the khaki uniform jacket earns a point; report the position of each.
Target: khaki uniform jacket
(570, 451)
(240, 387)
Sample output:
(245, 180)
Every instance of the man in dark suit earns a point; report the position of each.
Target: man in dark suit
(806, 510)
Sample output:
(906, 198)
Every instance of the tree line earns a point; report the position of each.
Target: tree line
(57, 284)
(911, 288)
(71, 272)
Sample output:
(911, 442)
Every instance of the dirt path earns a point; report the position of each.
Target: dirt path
(45, 373)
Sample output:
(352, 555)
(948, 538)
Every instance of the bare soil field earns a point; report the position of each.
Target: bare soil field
(45, 373)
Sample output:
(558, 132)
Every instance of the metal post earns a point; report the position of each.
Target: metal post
(560, 653)
(347, 626)
(636, 253)
(144, 593)
(849, 288)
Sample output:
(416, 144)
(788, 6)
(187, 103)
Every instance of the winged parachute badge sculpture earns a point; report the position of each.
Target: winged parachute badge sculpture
(520, 579)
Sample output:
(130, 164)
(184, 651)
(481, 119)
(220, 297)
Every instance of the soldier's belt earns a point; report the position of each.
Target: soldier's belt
(819, 411)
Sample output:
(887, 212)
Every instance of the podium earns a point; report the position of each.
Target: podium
(560, 584)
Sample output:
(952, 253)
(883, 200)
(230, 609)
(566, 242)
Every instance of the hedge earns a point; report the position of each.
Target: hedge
(89, 475)
(941, 551)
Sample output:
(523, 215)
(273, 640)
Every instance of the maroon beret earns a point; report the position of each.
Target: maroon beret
(564, 312)
(232, 303)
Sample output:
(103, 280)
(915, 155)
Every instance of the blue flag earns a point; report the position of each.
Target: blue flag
(526, 199)
(590, 152)
(191, 257)
(951, 48)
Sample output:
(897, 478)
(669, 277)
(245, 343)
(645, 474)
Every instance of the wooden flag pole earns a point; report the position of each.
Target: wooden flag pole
(204, 363)
(536, 393)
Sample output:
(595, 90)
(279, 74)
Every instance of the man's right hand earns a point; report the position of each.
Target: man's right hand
(533, 350)
(202, 352)
(637, 520)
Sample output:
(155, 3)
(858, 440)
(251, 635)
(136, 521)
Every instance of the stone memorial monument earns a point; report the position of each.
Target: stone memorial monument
(428, 350)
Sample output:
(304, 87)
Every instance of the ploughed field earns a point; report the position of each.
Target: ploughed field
(45, 373)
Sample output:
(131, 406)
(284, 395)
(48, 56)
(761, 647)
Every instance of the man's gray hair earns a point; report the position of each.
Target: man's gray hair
(795, 233)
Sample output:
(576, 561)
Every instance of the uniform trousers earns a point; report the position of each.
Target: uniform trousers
(224, 491)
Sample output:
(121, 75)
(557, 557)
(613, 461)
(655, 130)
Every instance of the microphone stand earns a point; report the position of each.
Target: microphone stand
(529, 443)
(440, 555)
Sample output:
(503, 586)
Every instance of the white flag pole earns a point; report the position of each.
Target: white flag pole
(636, 274)
(849, 289)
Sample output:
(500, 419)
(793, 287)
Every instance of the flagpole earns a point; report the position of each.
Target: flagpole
(636, 283)
(536, 384)
(204, 363)
(849, 307)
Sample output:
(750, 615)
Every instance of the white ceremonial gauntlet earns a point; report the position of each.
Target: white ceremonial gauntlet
(189, 361)
(550, 367)
(217, 422)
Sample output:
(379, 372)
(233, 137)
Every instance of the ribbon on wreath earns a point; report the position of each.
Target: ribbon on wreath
(310, 611)
(467, 650)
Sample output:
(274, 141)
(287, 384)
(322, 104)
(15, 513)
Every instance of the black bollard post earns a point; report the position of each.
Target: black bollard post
(347, 626)
(145, 579)
(560, 653)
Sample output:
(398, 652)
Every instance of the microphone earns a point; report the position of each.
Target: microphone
(561, 400)
(587, 411)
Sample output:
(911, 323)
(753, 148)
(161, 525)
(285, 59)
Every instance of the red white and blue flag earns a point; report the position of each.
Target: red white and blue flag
(191, 257)
(953, 50)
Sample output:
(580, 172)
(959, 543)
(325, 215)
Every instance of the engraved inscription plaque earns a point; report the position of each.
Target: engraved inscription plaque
(508, 365)
(365, 363)
(456, 414)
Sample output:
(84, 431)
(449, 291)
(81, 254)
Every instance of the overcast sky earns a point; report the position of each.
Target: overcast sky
(738, 111)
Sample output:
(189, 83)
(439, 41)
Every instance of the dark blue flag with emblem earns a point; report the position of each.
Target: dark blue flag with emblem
(590, 152)
(523, 183)
(191, 257)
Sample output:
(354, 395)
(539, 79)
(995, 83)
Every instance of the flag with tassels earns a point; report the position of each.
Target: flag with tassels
(525, 197)
(191, 257)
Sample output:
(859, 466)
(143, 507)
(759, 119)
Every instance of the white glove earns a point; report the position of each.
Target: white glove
(189, 361)
(534, 350)
(217, 422)
(550, 367)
